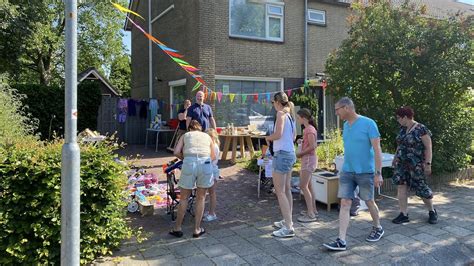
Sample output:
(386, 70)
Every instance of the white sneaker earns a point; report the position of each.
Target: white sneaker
(279, 224)
(284, 232)
(209, 218)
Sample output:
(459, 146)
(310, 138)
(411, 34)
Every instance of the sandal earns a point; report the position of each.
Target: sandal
(176, 233)
(201, 232)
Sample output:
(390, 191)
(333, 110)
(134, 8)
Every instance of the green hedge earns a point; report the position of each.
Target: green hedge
(30, 207)
(46, 103)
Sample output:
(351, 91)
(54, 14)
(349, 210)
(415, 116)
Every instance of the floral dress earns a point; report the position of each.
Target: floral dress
(409, 167)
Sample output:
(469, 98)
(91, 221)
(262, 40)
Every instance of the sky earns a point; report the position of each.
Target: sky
(471, 2)
(127, 40)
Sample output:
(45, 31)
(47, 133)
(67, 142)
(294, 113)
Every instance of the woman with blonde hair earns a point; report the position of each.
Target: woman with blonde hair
(283, 160)
(196, 149)
(211, 215)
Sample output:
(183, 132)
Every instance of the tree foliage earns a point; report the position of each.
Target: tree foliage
(120, 74)
(32, 39)
(396, 56)
(15, 122)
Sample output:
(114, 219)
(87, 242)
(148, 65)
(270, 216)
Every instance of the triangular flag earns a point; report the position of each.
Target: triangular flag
(123, 9)
(302, 89)
(219, 96)
(177, 108)
(244, 98)
(231, 97)
(288, 92)
(213, 96)
(325, 84)
(268, 97)
(198, 84)
(255, 98)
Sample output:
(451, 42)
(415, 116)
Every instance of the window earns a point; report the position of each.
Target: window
(177, 95)
(238, 112)
(262, 20)
(317, 16)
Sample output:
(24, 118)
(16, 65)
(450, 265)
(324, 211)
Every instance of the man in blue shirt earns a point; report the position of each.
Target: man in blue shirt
(201, 112)
(362, 167)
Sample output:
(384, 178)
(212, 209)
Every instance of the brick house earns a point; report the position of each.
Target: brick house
(241, 46)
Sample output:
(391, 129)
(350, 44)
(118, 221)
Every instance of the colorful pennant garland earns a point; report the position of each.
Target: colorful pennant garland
(193, 71)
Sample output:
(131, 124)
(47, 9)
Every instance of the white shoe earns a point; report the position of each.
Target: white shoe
(284, 232)
(209, 218)
(279, 224)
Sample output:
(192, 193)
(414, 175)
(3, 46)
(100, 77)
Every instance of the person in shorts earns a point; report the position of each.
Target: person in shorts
(196, 149)
(211, 214)
(362, 167)
(309, 162)
(283, 160)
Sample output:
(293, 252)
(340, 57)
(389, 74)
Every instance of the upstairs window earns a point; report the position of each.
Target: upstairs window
(317, 16)
(256, 19)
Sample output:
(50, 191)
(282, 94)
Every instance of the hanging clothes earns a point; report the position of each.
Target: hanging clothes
(143, 109)
(122, 110)
(153, 107)
(132, 110)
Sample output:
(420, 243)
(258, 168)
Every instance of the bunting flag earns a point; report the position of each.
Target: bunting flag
(255, 98)
(213, 96)
(198, 84)
(177, 108)
(194, 71)
(172, 53)
(126, 10)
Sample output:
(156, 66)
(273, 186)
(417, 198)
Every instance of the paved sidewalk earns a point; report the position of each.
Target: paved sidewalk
(241, 235)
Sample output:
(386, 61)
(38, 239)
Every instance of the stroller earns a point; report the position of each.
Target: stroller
(172, 190)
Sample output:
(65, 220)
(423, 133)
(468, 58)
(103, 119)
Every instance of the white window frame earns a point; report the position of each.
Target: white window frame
(268, 14)
(314, 21)
(247, 78)
(172, 84)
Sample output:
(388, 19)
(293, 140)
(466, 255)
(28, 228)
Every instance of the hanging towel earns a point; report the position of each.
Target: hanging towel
(153, 107)
(132, 110)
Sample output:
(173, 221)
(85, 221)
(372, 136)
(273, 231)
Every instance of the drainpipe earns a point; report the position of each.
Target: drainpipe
(150, 59)
(305, 40)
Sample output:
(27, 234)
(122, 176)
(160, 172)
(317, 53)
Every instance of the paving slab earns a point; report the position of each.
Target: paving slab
(242, 234)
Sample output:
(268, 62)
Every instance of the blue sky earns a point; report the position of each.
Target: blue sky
(471, 2)
(127, 41)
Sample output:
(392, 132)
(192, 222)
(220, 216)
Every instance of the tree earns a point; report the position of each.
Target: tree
(32, 38)
(120, 74)
(398, 56)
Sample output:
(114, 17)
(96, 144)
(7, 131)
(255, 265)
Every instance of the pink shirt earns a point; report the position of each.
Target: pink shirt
(309, 132)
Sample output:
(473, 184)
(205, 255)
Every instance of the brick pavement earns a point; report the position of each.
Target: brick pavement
(241, 235)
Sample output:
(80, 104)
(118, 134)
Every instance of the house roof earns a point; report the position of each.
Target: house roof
(132, 5)
(92, 74)
(437, 8)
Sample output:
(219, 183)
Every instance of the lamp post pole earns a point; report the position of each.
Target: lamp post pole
(70, 157)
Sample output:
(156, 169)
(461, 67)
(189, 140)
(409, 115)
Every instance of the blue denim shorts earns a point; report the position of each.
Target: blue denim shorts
(348, 182)
(283, 161)
(215, 172)
(196, 172)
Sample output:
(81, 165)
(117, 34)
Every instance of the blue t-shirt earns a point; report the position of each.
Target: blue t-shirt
(201, 113)
(358, 150)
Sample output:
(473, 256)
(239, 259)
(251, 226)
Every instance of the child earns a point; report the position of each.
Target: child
(308, 164)
(211, 215)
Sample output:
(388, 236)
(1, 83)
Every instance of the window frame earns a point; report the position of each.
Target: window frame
(268, 14)
(172, 85)
(317, 22)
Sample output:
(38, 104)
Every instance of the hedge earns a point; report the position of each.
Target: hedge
(30, 202)
(46, 103)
